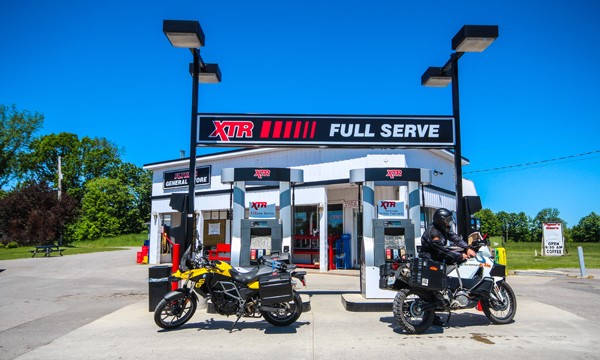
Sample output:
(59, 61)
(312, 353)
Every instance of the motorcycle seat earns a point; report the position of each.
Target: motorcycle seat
(252, 275)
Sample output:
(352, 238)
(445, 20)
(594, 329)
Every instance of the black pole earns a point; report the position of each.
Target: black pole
(460, 205)
(191, 223)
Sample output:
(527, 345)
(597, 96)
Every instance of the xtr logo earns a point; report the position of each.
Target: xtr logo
(394, 173)
(388, 204)
(232, 128)
(259, 173)
(259, 205)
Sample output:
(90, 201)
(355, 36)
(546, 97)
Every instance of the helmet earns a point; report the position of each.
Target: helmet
(442, 218)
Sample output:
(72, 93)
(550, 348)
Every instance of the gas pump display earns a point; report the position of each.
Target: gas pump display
(260, 243)
(390, 238)
(395, 244)
(260, 238)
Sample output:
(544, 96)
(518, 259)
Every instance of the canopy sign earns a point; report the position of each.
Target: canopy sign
(553, 239)
(240, 130)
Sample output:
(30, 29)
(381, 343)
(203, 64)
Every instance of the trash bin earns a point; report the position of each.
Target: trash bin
(158, 284)
(343, 255)
(500, 258)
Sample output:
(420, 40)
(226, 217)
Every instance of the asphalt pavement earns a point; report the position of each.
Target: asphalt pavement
(95, 306)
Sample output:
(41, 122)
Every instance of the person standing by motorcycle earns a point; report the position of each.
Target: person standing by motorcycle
(438, 236)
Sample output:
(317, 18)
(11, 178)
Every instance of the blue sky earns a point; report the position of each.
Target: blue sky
(106, 69)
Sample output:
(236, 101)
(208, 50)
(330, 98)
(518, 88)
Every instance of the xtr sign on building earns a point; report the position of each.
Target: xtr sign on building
(318, 130)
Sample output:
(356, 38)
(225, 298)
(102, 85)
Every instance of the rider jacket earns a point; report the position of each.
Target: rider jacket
(437, 250)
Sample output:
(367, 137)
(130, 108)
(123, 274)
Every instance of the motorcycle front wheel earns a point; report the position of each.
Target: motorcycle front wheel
(501, 309)
(287, 313)
(408, 310)
(172, 313)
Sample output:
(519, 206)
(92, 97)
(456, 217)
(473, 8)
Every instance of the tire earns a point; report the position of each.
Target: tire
(287, 314)
(408, 310)
(503, 311)
(172, 313)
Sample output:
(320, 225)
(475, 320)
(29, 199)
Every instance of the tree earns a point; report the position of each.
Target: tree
(82, 160)
(515, 226)
(490, 224)
(32, 214)
(521, 227)
(588, 229)
(16, 130)
(107, 209)
(139, 182)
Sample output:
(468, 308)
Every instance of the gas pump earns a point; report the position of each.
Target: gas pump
(385, 238)
(255, 237)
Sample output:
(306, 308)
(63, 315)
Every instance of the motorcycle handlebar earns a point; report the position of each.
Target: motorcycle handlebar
(277, 264)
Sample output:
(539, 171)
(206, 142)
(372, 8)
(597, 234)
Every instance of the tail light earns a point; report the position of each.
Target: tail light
(253, 254)
(388, 254)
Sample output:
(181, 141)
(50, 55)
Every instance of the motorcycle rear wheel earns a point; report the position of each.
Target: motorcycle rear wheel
(171, 314)
(287, 314)
(501, 312)
(408, 311)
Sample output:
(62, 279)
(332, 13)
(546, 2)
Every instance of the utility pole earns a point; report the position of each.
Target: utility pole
(59, 177)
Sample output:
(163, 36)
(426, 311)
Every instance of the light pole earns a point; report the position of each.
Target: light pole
(189, 34)
(470, 38)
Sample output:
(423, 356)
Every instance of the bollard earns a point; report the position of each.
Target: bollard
(581, 262)
(175, 261)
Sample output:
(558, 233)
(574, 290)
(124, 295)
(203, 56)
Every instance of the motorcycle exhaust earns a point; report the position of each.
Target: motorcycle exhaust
(269, 308)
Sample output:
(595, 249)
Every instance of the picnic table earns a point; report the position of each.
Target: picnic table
(47, 250)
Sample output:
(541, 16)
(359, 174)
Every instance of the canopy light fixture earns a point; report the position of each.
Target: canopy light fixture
(435, 77)
(209, 74)
(474, 38)
(184, 33)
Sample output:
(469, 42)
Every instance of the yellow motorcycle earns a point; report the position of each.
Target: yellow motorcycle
(266, 290)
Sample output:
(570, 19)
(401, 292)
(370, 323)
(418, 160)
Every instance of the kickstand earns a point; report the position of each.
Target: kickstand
(448, 319)
(235, 323)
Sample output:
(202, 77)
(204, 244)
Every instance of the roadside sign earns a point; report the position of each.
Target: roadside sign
(553, 242)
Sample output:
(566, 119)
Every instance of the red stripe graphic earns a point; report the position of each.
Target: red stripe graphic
(277, 129)
(266, 128)
(305, 129)
(297, 129)
(288, 130)
(314, 128)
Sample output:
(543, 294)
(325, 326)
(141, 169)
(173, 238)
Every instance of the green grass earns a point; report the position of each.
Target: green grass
(519, 256)
(522, 256)
(81, 247)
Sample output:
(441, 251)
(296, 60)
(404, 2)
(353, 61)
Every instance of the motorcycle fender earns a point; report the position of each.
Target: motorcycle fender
(176, 294)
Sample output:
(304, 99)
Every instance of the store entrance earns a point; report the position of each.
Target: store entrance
(305, 238)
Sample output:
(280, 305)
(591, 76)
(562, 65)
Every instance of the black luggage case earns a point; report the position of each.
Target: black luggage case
(275, 289)
(427, 274)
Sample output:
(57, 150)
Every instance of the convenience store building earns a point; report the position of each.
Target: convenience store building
(325, 204)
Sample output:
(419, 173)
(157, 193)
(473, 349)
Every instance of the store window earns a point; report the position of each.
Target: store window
(335, 220)
(306, 220)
